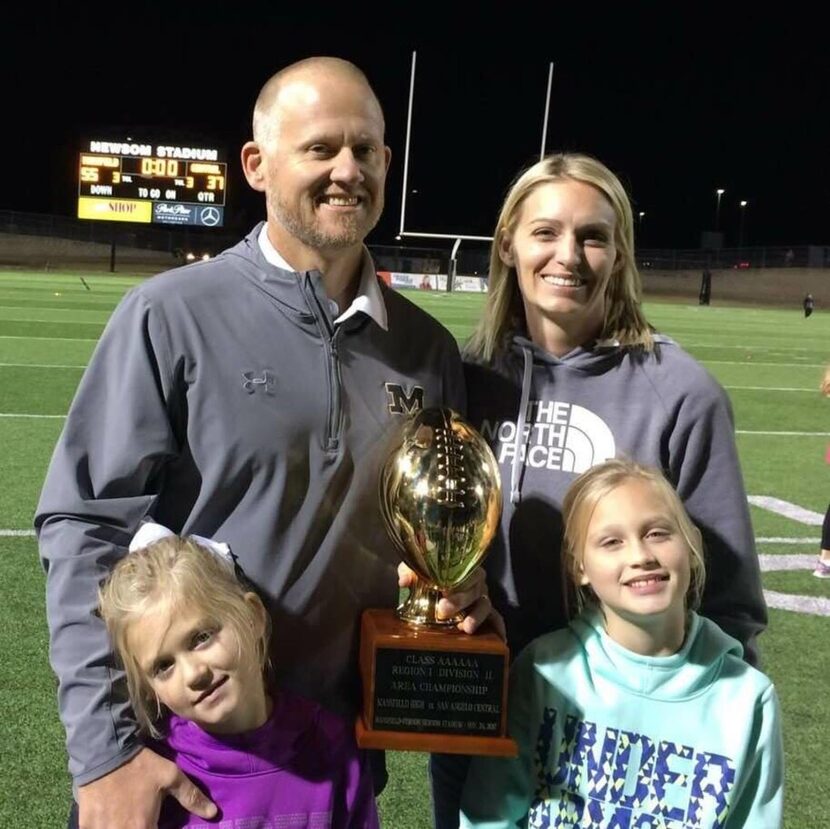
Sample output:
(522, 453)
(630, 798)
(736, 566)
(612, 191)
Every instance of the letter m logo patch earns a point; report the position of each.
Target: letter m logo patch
(403, 402)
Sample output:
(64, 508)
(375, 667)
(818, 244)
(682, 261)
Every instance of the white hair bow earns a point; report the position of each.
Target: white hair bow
(150, 532)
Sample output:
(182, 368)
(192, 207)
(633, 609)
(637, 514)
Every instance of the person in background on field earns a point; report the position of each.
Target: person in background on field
(248, 397)
(809, 304)
(640, 712)
(564, 372)
(193, 641)
(705, 287)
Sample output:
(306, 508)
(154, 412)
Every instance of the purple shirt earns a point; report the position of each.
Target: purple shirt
(300, 770)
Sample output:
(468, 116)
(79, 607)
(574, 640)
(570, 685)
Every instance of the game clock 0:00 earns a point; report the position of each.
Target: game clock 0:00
(154, 179)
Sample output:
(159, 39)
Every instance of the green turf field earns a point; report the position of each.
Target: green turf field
(769, 360)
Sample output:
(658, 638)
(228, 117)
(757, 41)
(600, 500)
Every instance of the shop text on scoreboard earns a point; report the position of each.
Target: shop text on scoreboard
(124, 181)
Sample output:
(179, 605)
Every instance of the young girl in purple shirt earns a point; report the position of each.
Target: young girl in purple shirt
(193, 642)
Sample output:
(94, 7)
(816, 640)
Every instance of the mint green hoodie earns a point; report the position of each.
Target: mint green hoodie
(609, 738)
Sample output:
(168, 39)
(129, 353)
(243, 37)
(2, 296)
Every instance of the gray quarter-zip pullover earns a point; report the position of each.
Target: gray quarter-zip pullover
(223, 400)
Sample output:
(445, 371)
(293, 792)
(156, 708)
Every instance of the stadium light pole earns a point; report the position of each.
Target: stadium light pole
(720, 191)
(741, 225)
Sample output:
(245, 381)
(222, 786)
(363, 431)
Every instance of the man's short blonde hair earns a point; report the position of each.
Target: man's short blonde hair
(265, 122)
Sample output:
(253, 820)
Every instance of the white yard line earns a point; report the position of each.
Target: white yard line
(751, 346)
(758, 363)
(16, 533)
(788, 540)
(36, 365)
(783, 434)
(788, 510)
(798, 604)
(771, 564)
(60, 320)
(760, 388)
(50, 339)
(36, 416)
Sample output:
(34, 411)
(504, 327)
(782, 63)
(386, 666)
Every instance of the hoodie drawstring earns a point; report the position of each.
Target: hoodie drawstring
(520, 441)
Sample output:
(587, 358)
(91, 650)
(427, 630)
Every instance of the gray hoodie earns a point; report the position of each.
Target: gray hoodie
(223, 400)
(549, 419)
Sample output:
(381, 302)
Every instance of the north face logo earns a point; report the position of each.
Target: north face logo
(264, 382)
(558, 436)
(401, 402)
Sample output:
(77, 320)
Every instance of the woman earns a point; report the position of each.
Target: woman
(564, 372)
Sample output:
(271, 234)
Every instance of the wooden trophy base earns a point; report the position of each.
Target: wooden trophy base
(427, 689)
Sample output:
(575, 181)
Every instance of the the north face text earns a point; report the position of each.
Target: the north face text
(557, 436)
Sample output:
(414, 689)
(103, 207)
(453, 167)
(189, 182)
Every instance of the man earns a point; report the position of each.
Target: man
(247, 398)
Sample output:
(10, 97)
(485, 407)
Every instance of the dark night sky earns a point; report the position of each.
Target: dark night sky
(676, 105)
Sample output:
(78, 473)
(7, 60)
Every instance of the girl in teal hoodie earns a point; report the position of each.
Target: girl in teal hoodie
(640, 713)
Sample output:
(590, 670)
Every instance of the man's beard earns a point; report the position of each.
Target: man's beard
(353, 230)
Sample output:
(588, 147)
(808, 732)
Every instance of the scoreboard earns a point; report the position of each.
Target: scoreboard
(123, 181)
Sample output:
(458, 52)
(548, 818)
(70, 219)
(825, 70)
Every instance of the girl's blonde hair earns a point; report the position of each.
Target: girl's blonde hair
(504, 311)
(581, 500)
(179, 575)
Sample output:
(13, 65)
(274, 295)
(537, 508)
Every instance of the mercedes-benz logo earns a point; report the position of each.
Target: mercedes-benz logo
(209, 216)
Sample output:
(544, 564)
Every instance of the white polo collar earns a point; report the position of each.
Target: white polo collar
(368, 299)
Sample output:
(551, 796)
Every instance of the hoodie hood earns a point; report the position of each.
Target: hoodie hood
(593, 359)
(274, 745)
(682, 675)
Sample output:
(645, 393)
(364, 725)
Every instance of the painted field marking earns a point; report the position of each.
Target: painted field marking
(760, 388)
(788, 540)
(36, 365)
(748, 346)
(50, 339)
(759, 363)
(783, 434)
(788, 510)
(816, 605)
(774, 564)
(35, 416)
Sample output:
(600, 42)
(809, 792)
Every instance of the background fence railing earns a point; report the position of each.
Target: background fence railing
(473, 260)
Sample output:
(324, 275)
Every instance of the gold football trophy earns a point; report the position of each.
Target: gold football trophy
(426, 685)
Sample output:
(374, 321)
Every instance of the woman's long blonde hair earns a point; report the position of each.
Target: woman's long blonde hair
(504, 311)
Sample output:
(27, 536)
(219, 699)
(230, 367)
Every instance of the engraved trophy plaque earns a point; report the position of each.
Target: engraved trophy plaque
(426, 685)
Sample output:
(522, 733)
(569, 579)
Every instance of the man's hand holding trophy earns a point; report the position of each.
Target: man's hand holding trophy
(428, 686)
